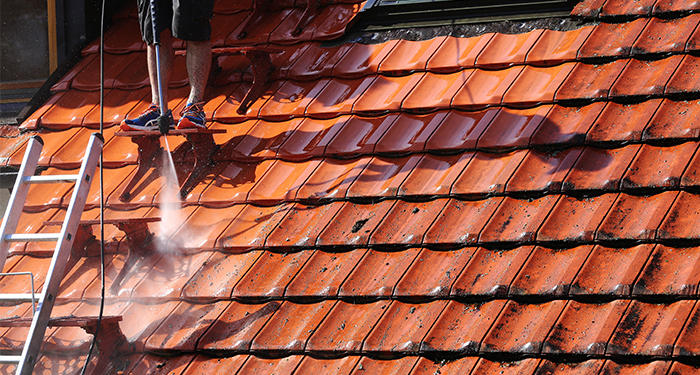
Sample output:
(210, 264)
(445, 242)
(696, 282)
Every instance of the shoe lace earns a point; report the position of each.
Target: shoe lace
(194, 107)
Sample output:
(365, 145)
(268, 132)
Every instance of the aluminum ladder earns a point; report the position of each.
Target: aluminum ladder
(47, 297)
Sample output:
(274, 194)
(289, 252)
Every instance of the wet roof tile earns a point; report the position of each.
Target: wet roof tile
(250, 228)
(409, 56)
(234, 330)
(435, 91)
(512, 128)
(182, 329)
(385, 95)
(117, 103)
(331, 179)
(359, 136)
(282, 182)
(590, 81)
(322, 275)
(635, 217)
(269, 276)
(114, 64)
(536, 85)
(487, 173)
(645, 78)
(317, 62)
(549, 272)
(353, 224)
(659, 167)
(600, 169)
(504, 50)
(382, 177)
(432, 274)
(627, 9)
(457, 53)
(525, 366)
(517, 220)
(622, 122)
(433, 176)
(332, 22)
(459, 130)
(338, 97)
(669, 271)
(205, 285)
(460, 222)
(490, 272)
(264, 25)
(676, 33)
(362, 59)
(136, 328)
(409, 133)
(612, 39)
(667, 6)
(575, 219)
(556, 47)
(263, 140)
(522, 328)
(649, 329)
(346, 327)
(233, 184)
(302, 225)
(585, 328)
(291, 100)
(596, 277)
(406, 223)
(169, 276)
(377, 274)
(543, 171)
(122, 37)
(70, 110)
(291, 326)
(485, 88)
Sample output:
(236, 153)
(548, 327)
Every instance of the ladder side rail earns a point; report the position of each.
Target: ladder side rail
(56, 270)
(19, 195)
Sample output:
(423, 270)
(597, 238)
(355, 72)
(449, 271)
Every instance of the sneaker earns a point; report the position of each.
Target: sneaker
(193, 116)
(146, 121)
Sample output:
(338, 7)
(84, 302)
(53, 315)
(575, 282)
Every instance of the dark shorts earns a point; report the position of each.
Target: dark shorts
(186, 19)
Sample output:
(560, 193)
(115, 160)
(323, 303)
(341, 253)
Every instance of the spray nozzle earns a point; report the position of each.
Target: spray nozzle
(164, 122)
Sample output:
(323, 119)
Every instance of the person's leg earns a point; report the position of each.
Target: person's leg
(198, 66)
(166, 65)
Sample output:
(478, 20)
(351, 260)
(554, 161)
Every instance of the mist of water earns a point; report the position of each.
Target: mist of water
(169, 201)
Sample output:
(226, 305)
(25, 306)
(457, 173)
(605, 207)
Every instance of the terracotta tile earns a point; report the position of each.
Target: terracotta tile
(513, 128)
(184, 326)
(690, 176)
(584, 328)
(152, 365)
(627, 9)
(26, 263)
(676, 33)
(590, 367)
(517, 220)
(673, 120)
(302, 225)
(406, 223)
(590, 81)
(504, 50)
(135, 76)
(263, 140)
(207, 285)
(227, 112)
(596, 277)
(283, 32)
(117, 103)
(659, 167)
(683, 82)
(338, 97)
(234, 68)
(385, 366)
(539, 277)
(122, 37)
(71, 154)
(460, 222)
(43, 196)
(78, 277)
(403, 327)
(137, 329)
(114, 64)
(317, 62)
(281, 182)
(236, 327)
(459, 131)
(525, 366)
(385, 95)
(201, 364)
(666, 6)
(622, 122)
(359, 136)
(311, 365)
(70, 109)
(457, 53)
(410, 56)
(556, 47)
(332, 22)
(679, 368)
(409, 133)
(362, 59)
(652, 368)
(346, 327)
(687, 343)
(536, 85)
(522, 328)
(268, 278)
(485, 88)
(426, 366)
(490, 272)
(260, 28)
(575, 219)
(169, 276)
(290, 327)
(322, 275)
(649, 329)
(432, 274)
(255, 365)
(669, 271)
(433, 176)
(10, 146)
(612, 39)
(681, 218)
(607, 165)
(435, 91)
(354, 224)
(331, 179)
(635, 218)
(233, 184)
(201, 228)
(66, 81)
(382, 177)
(310, 138)
(291, 100)
(487, 173)
(377, 274)
(543, 171)
(250, 228)
(471, 320)
(283, 61)
(645, 78)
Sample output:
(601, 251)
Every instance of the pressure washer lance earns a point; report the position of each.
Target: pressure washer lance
(164, 118)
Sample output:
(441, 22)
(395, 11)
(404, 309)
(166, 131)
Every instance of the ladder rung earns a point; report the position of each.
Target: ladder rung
(18, 297)
(49, 179)
(37, 237)
(10, 358)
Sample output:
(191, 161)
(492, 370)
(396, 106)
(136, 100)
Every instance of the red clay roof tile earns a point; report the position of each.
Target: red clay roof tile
(610, 40)
(596, 277)
(504, 50)
(457, 53)
(549, 272)
(432, 274)
(490, 272)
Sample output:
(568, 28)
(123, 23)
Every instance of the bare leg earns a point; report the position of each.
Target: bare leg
(166, 65)
(198, 65)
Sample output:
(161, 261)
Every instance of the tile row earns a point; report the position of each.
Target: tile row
(606, 9)
(522, 91)
(191, 364)
(395, 329)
